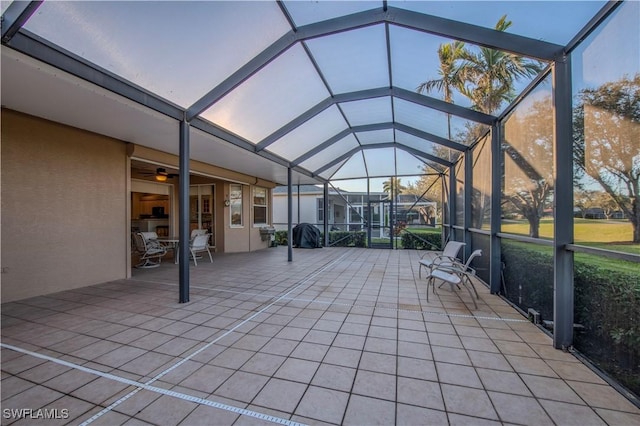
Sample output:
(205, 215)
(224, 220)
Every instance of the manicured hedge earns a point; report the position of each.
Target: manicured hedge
(336, 238)
(347, 239)
(416, 241)
(528, 277)
(607, 305)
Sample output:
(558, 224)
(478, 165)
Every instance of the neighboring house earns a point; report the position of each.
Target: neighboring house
(594, 213)
(348, 211)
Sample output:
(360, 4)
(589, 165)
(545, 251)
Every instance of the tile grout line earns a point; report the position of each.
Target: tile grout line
(156, 389)
(295, 299)
(182, 361)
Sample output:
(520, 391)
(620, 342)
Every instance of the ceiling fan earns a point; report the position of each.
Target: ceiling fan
(161, 174)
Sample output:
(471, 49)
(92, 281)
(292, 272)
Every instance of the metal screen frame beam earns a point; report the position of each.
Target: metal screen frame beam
(453, 185)
(378, 146)
(431, 137)
(393, 92)
(183, 213)
(486, 37)
(42, 50)
(16, 15)
(381, 126)
(495, 262)
(417, 21)
(213, 130)
(443, 106)
(325, 221)
(468, 198)
(289, 216)
(563, 301)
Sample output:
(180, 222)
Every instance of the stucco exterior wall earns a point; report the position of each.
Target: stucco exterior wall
(64, 210)
(246, 237)
(308, 208)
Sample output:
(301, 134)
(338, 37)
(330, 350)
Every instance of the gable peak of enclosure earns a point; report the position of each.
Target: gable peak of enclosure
(326, 88)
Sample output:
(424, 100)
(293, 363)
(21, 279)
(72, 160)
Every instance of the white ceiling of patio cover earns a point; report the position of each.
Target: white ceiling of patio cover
(271, 98)
(133, 41)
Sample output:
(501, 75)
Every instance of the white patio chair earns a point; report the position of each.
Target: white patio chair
(456, 274)
(200, 243)
(149, 249)
(195, 232)
(447, 256)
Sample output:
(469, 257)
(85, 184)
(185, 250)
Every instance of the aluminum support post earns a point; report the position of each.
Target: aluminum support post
(183, 213)
(325, 207)
(563, 301)
(298, 200)
(453, 186)
(495, 261)
(289, 216)
(468, 197)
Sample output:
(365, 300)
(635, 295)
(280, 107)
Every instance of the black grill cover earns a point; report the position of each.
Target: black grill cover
(306, 236)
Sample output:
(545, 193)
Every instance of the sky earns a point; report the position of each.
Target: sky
(182, 52)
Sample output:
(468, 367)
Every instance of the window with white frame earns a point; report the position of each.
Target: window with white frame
(259, 206)
(235, 204)
(320, 202)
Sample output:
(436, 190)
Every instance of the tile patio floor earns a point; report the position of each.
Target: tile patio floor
(338, 336)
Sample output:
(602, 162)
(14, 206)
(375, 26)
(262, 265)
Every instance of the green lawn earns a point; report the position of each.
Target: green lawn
(425, 230)
(603, 263)
(608, 234)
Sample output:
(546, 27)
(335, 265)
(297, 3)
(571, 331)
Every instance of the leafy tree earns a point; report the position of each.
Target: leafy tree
(607, 142)
(584, 200)
(528, 148)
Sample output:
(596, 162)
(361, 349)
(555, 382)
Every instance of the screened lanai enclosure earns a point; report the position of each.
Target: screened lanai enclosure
(515, 127)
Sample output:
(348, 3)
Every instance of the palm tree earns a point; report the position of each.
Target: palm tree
(391, 185)
(449, 79)
(485, 76)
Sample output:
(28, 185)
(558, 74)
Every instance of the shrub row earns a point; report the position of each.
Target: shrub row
(607, 306)
(336, 238)
(422, 241)
(347, 239)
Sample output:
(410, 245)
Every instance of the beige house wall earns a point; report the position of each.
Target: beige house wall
(64, 210)
(247, 237)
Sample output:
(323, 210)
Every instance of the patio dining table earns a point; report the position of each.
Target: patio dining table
(172, 243)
